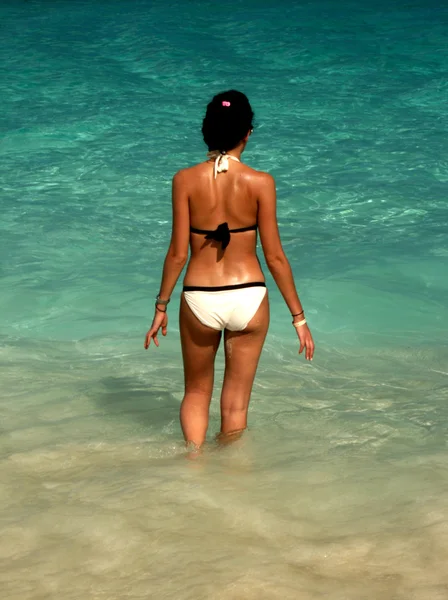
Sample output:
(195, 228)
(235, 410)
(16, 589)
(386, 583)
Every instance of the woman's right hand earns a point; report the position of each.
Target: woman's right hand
(160, 321)
(306, 341)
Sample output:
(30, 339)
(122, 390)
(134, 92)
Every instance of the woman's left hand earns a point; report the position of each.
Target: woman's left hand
(160, 321)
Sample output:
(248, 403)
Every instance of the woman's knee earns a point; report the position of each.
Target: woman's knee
(198, 389)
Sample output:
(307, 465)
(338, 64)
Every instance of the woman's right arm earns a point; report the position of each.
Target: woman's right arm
(276, 259)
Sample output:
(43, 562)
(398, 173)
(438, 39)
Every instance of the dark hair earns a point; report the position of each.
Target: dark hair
(228, 118)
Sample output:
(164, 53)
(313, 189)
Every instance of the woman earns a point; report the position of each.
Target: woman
(217, 207)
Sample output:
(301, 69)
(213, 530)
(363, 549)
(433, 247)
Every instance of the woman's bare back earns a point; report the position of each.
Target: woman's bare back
(231, 198)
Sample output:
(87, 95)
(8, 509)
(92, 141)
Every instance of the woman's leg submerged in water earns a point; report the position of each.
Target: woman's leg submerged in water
(242, 353)
(199, 347)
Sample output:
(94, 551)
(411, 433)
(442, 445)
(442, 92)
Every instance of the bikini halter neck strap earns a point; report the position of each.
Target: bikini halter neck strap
(221, 161)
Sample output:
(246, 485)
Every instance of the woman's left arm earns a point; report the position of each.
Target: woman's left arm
(176, 257)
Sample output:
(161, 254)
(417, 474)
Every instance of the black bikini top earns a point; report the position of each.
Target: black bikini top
(222, 233)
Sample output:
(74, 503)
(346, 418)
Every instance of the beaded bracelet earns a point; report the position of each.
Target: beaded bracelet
(160, 301)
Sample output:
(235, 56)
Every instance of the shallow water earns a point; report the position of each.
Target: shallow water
(339, 489)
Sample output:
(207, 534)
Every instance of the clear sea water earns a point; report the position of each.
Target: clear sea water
(339, 490)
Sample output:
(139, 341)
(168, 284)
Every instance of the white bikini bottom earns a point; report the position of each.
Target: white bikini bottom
(228, 307)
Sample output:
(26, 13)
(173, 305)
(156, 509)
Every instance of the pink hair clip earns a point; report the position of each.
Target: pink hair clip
(225, 103)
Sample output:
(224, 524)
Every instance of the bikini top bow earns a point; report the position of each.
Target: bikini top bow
(220, 234)
(221, 161)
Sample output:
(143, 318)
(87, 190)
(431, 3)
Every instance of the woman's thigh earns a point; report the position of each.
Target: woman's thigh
(199, 346)
(242, 353)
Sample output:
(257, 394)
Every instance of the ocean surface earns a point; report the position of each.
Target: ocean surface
(339, 490)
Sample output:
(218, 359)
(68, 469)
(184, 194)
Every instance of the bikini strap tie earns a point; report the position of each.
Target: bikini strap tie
(220, 234)
(221, 161)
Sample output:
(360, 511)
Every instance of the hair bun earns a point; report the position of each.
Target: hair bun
(223, 129)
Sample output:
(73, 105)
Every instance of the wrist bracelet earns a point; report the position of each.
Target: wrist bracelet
(299, 323)
(160, 301)
(160, 309)
(298, 314)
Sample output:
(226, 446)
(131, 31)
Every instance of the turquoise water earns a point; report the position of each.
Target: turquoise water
(340, 489)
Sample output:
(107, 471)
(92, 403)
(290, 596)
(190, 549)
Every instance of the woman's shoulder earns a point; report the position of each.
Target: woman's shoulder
(254, 176)
(259, 177)
(186, 172)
